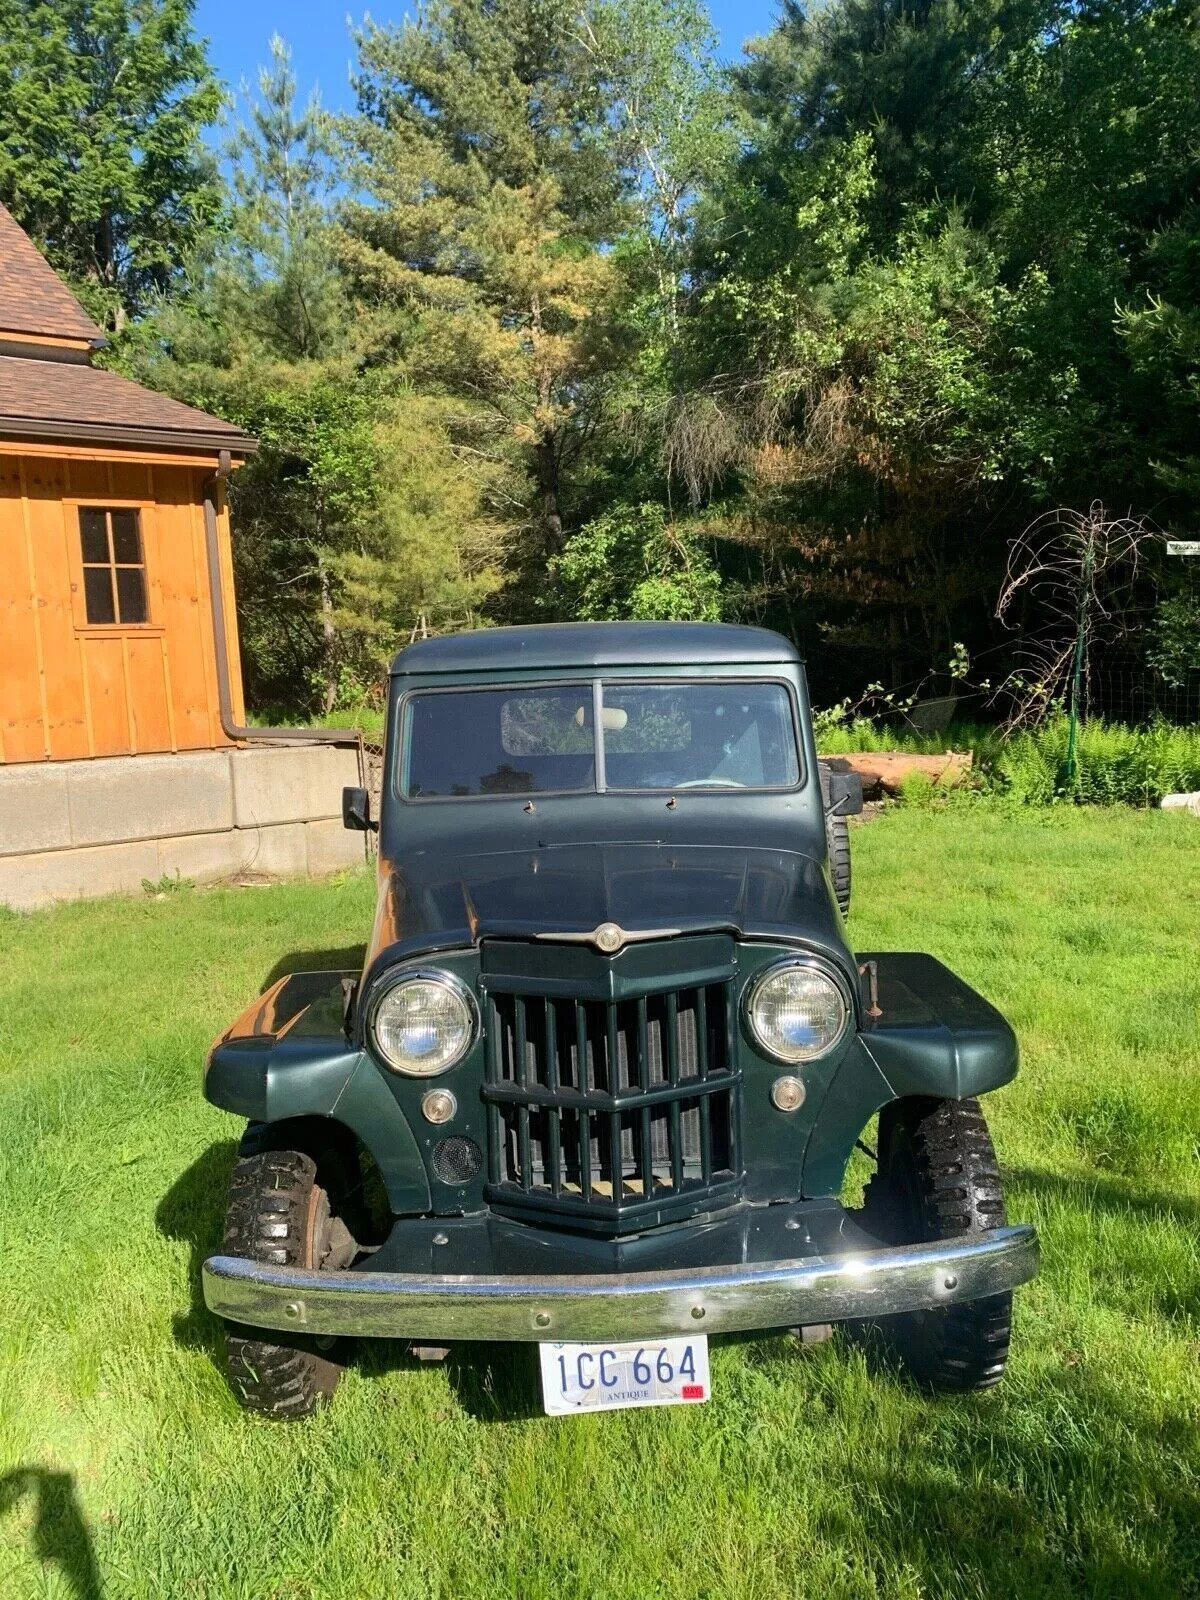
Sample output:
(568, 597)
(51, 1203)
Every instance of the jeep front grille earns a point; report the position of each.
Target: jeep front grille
(612, 1114)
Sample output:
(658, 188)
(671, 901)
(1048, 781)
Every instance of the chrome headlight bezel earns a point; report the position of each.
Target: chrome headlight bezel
(817, 968)
(443, 980)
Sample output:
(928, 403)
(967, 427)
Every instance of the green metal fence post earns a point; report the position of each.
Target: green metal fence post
(1077, 671)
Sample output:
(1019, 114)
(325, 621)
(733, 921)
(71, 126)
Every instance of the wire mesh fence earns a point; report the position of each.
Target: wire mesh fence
(1128, 691)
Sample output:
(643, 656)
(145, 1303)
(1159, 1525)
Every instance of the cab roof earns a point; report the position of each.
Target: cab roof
(571, 645)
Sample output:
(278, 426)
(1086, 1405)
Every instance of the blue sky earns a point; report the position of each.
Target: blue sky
(318, 33)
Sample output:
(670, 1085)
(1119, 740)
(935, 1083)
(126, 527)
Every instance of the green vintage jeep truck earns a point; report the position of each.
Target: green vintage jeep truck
(598, 1081)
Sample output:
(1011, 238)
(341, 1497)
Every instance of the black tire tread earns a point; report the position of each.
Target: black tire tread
(958, 1190)
(837, 840)
(270, 1193)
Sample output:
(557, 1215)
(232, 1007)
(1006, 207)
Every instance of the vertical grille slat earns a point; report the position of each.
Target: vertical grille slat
(674, 1125)
(735, 1102)
(491, 1056)
(702, 1070)
(553, 1113)
(521, 1058)
(583, 1121)
(604, 1110)
(614, 1167)
(645, 1165)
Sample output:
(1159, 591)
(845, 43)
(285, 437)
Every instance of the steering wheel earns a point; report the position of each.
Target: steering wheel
(711, 783)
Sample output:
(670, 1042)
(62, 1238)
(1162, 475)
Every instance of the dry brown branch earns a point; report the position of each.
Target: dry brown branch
(1071, 573)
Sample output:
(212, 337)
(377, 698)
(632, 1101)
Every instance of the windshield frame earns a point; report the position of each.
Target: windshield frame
(593, 685)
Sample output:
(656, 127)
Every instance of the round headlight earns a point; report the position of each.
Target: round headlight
(796, 1012)
(424, 1025)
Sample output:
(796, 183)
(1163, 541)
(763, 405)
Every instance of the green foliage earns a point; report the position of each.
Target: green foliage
(1117, 765)
(157, 888)
(1174, 650)
(917, 789)
(282, 278)
(634, 561)
(951, 277)
(356, 521)
(673, 134)
(485, 179)
(862, 307)
(102, 107)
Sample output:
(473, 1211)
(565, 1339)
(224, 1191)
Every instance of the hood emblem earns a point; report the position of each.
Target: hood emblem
(610, 937)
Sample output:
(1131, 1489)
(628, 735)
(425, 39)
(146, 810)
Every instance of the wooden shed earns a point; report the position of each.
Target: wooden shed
(123, 755)
(106, 616)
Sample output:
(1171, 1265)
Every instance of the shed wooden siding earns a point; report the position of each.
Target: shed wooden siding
(70, 690)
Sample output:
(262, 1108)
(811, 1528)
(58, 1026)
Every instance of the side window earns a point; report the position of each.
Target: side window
(114, 567)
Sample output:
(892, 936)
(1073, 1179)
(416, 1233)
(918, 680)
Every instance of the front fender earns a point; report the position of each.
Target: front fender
(288, 1056)
(934, 1035)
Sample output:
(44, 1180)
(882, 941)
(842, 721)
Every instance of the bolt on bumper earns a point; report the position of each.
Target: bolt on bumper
(633, 1305)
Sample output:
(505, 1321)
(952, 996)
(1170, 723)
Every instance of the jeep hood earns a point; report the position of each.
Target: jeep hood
(428, 903)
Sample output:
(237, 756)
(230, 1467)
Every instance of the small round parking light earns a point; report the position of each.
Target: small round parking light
(787, 1094)
(439, 1105)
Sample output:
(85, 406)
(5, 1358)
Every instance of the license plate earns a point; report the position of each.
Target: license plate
(612, 1377)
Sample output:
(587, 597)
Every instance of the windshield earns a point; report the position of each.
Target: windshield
(678, 735)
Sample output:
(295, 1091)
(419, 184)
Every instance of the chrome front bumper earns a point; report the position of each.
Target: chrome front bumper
(631, 1305)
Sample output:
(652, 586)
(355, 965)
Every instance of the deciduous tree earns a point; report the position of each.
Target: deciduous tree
(103, 104)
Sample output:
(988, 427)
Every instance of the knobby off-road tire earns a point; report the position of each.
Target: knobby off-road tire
(937, 1179)
(280, 1214)
(837, 839)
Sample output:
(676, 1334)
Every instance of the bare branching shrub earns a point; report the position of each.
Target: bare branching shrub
(1068, 580)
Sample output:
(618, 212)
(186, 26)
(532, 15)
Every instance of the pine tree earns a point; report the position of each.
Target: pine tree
(490, 179)
(354, 518)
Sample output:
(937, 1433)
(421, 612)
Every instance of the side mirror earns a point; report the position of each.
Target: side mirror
(845, 794)
(356, 811)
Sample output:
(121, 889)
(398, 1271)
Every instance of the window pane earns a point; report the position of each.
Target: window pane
(93, 533)
(97, 591)
(699, 735)
(127, 546)
(547, 724)
(500, 741)
(131, 594)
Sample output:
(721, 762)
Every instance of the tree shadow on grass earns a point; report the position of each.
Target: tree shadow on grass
(193, 1209)
(60, 1534)
(1138, 1207)
(348, 959)
(491, 1382)
(1108, 1194)
(1078, 1492)
(496, 1382)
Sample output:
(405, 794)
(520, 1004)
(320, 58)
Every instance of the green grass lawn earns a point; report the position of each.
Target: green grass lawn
(127, 1470)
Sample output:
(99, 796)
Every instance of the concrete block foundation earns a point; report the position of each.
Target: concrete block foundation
(80, 828)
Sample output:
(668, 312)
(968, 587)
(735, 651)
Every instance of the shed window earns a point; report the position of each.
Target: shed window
(114, 568)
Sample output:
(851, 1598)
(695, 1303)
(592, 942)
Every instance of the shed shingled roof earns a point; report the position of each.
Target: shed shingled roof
(56, 395)
(66, 400)
(33, 298)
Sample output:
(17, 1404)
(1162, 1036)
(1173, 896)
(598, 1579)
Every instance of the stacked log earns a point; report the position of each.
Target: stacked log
(884, 771)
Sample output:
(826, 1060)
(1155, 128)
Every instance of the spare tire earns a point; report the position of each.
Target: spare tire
(837, 840)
